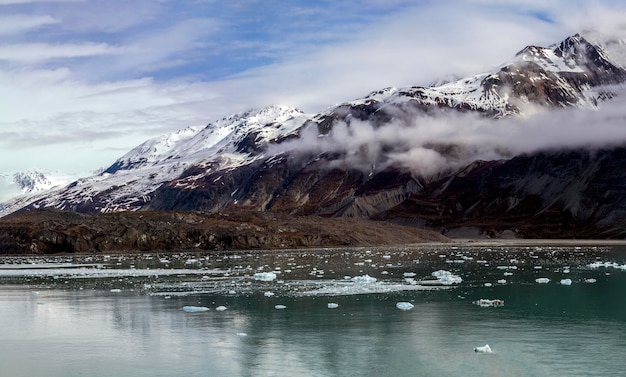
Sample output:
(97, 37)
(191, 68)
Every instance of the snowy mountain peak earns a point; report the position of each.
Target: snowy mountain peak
(32, 180)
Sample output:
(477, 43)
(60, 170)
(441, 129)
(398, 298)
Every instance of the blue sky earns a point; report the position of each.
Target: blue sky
(83, 81)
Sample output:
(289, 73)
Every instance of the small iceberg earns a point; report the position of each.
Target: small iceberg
(566, 281)
(220, 308)
(264, 276)
(195, 309)
(446, 277)
(332, 305)
(590, 281)
(542, 280)
(242, 334)
(404, 306)
(487, 303)
(365, 279)
(115, 290)
(483, 349)
(280, 307)
(268, 294)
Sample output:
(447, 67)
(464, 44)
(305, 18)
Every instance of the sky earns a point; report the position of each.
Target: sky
(84, 81)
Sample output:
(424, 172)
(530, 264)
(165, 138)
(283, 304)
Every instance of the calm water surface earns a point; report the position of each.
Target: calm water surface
(123, 315)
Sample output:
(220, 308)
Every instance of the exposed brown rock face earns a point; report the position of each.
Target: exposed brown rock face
(51, 231)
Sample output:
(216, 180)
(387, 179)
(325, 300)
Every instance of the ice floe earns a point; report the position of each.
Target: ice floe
(404, 305)
(566, 281)
(332, 305)
(268, 294)
(444, 277)
(487, 303)
(264, 276)
(365, 279)
(483, 349)
(195, 309)
(590, 280)
(542, 280)
(280, 307)
(607, 265)
(220, 308)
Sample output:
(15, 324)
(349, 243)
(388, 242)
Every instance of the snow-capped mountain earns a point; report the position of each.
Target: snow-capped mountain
(263, 160)
(31, 182)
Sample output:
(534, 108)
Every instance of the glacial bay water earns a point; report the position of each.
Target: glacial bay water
(122, 315)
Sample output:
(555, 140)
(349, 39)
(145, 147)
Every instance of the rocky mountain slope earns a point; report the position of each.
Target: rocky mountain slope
(353, 160)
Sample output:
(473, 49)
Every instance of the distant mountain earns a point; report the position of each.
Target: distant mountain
(30, 182)
(279, 159)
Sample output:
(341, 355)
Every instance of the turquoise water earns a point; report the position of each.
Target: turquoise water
(123, 316)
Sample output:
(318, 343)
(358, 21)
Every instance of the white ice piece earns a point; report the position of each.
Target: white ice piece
(446, 277)
(220, 308)
(487, 303)
(195, 309)
(566, 281)
(590, 280)
(542, 280)
(404, 305)
(268, 294)
(483, 349)
(365, 279)
(332, 305)
(280, 307)
(264, 276)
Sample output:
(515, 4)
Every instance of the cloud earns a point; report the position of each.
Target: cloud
(16, 24)
(41, 52)
(428, 144)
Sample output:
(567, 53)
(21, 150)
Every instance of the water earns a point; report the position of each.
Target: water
(122, 315)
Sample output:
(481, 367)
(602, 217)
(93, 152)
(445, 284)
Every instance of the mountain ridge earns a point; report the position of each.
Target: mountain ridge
(262, 160)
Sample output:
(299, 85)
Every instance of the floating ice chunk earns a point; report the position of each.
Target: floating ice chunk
(332, 305)
(408, 274)
(590, 280)
(508, 273)
(566, 281)
(242, 334)
(195, 309)
(607, 265)
(268, 294)
(404, 305)
(264, 276)
(365, 279)
(487, 303)
(502, 281)
(483, 349)
(232, 292)
(280, 307)
(446, 277)
(488, 284)
(115, 290)
(566, 270)
(386, 256)
(220, 308)
(542, 280)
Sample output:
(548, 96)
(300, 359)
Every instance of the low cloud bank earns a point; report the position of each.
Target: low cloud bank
(427, 144)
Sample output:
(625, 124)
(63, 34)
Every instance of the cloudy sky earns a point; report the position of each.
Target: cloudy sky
(83, 81)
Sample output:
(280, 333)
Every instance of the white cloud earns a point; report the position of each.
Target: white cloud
(41, 52)
(19, 23)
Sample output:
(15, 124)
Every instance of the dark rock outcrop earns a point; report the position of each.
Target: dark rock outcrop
(52, 231)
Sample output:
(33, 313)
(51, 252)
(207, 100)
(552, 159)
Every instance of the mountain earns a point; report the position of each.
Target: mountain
(359, 158)
(31, 182)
